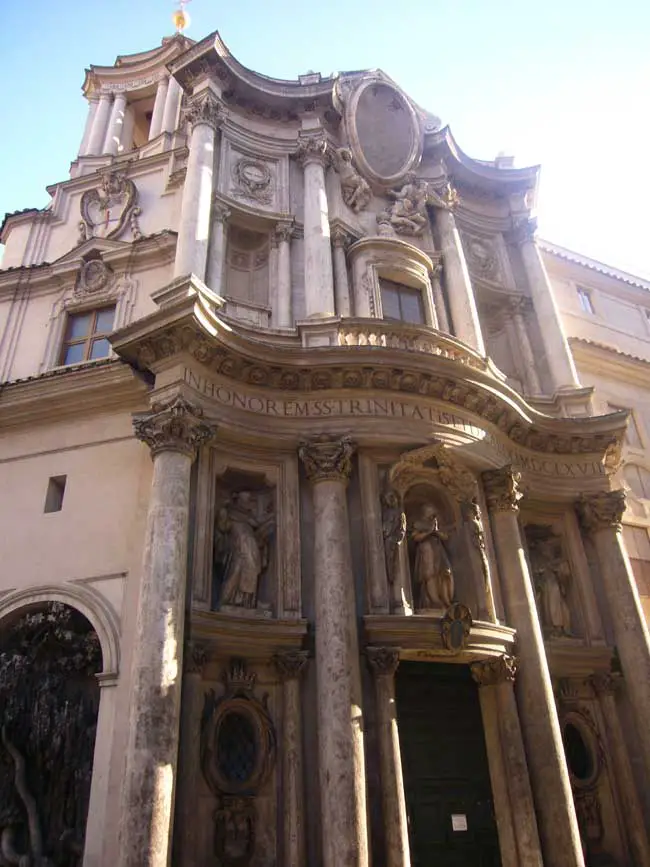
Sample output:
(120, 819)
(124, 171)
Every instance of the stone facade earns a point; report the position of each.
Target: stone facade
(298, 412)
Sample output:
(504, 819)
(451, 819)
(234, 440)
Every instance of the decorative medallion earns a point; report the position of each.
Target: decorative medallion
(94, 277)
(481, 257)
(455, 627)
(105, 210)
(253, 179)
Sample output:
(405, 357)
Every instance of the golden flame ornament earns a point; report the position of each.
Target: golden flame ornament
(181, 17)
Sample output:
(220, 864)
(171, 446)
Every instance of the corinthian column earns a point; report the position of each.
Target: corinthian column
(604, 685)
(98, 129)
(194, 224)
(217, 255)
(340, 240)
(383, 662)
(173, 431)
(601, 515)
(283, 232)
(290, 666)
(158, 108)
(439, 299)
(462, 303)
(319, 285)
(558, 825)
(519, 308)
(115, 125)
(558, 355)
(513, 798)
(328, 465)
(93, 102)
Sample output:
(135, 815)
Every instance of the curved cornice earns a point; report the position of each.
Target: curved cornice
(192, 327)
(132, 67)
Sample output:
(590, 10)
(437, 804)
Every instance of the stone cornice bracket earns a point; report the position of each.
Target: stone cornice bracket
(327, 460)
(502, 489)
(602, 510)
(313, 149)
(204, 108)
(490, 672)
(383, 661)
(174, 426)
(291, 663)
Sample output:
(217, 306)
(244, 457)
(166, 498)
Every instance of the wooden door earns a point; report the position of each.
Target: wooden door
(446, 777)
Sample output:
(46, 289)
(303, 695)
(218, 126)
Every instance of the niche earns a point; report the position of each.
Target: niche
(247, 266)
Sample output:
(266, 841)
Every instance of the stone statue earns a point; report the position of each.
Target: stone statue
(242, 543)
(394, 531)
(354, 189)
(432, 572)
(408, 213)
(551, 575)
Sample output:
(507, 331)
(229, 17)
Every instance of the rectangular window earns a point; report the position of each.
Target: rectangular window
(584, 296)
(54, 495)
(632, 435)
(86, 335)
(401, 302)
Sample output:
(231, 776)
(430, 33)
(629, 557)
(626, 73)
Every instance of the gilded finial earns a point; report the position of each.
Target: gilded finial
(181, 17)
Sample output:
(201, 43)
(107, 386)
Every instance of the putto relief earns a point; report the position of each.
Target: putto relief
(244, 540)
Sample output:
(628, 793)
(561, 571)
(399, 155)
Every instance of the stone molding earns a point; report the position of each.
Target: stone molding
(174, 426)
(605, 684)
(491, 672)
(601, 511)
(204, 109)
(383, 661)
(502, 489)
(327, 460)
(313, 149)
(291, 664)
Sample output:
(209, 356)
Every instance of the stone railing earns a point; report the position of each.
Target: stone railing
(406, 337)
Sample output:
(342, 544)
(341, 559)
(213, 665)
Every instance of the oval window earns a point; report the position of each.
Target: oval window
(578, 754)
(236, 747)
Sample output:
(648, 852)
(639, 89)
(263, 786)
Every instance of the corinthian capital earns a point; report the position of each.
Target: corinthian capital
(313, 148)
(502, 489)
(290, 664)
(327, 460)
(174, 426)
(489, 672)
(383, 661)
(204, 108)
(523, 229)
(602, 510)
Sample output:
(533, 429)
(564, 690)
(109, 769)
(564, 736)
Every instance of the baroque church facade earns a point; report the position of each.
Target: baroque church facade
(325, 493)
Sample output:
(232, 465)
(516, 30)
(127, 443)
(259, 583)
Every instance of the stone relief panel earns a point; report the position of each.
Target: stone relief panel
(552, 579)
(257, 180)
(483, 257)
(253, 180)
(108, 209)
(244, 546)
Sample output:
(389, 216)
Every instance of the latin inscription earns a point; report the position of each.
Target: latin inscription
(317, 408)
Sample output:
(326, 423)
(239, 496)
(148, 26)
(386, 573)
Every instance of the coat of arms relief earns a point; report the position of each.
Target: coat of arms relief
(106, 210)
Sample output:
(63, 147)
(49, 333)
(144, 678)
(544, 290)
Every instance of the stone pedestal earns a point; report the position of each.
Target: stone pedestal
(290, 666)
(464, 314)
(100, 121)
(328, 465)
(557, 822)
(284, 318)
(604, 686)
(513, 799)
(116, 122)
(319, 285)
(601, 516)
(158, 108)
(340, 240)
(560, 362)
(194, 224)
(519, 309)
(173, 431)
(383, 662)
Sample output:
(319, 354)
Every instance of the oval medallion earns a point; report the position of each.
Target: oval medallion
(384, 131)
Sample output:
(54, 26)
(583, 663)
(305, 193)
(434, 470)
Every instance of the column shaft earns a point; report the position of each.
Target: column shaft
(93, 103)
(556, 815)
(158, 108)
(284, 316)
(383, 662)
(194, 226)
(439, 302)
(172, 104)
(290, 666)
(604, 686)
(217, 254)
(115, 124)
(560, 362)
(173, 432)
(98, 802)
(601, 516)
(100, 122)
(319, 281)
(530, 365)
(464, 314)
(341, 282)
(341, 768)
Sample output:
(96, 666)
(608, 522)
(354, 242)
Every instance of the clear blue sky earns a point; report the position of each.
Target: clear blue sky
(565, 83)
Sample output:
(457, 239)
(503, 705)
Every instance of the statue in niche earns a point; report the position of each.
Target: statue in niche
(551, 576)
(243, 535)
(354, 189)
(432, 573)
(408, 213)
(394, 532)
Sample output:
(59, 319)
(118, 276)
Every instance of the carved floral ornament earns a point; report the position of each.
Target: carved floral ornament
(602, 511)
(327, 460)
(502, 489)
(383, 661)
(173, 426)
(313, 148)
(465, 395)
(490, 672)
(204, 109)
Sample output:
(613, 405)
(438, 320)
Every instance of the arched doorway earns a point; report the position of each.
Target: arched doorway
(49, 700)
